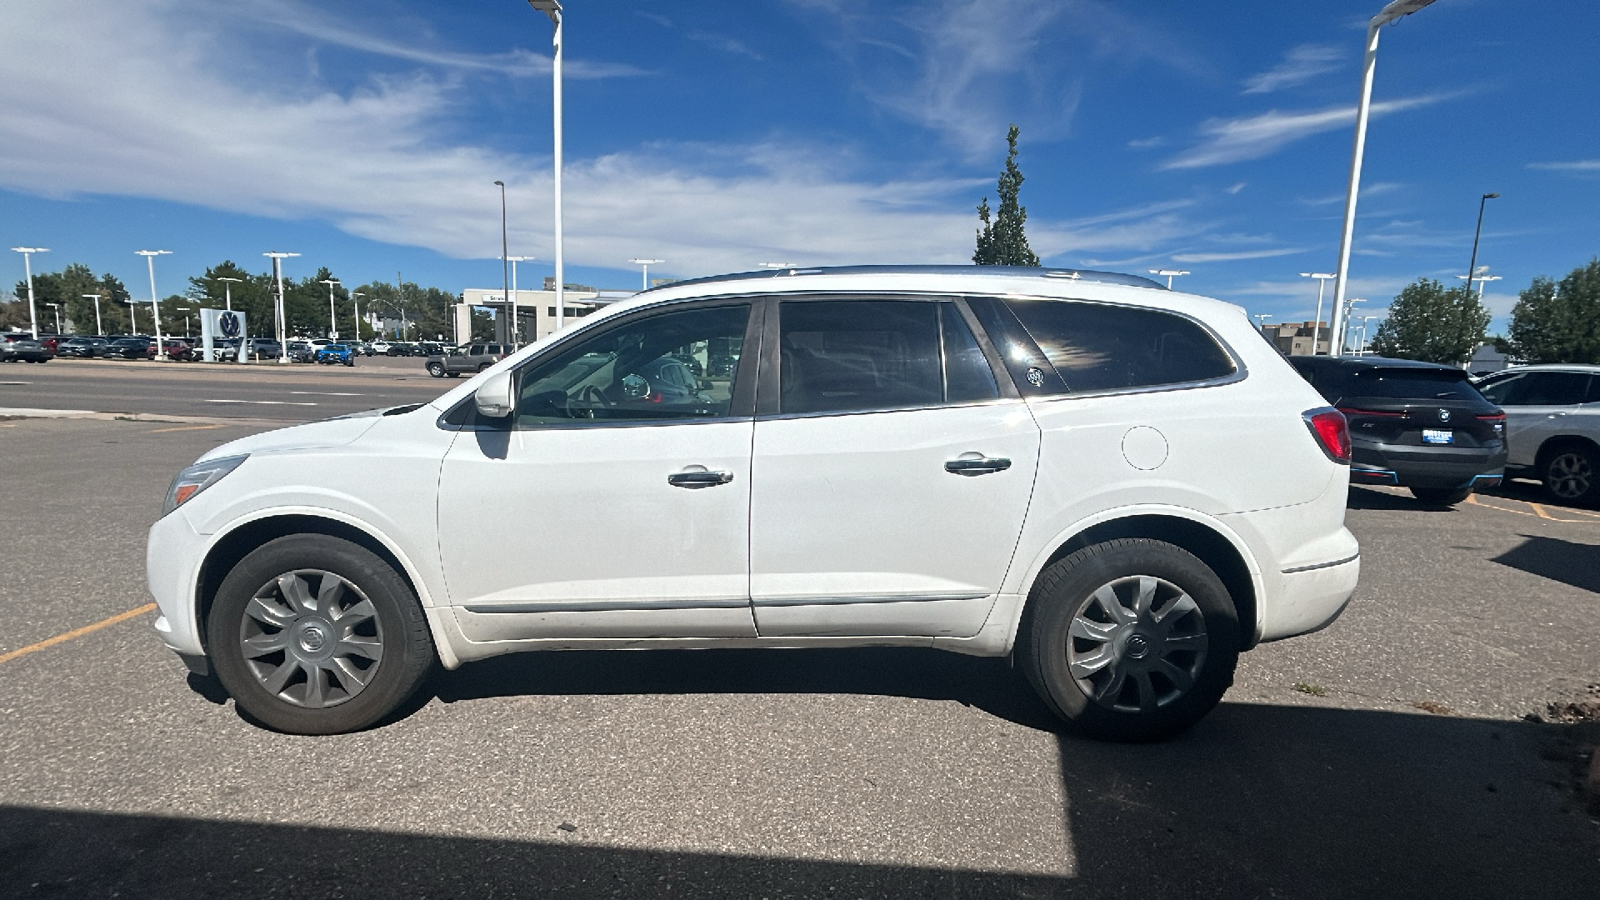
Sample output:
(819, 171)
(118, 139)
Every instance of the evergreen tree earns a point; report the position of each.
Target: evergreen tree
(1555, 323)
(1428, 321)
(1004, 242)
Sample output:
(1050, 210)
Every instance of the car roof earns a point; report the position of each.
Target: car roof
(1585, 368)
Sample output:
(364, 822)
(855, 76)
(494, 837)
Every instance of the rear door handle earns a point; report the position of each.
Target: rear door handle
(699, 478)
(980, 465)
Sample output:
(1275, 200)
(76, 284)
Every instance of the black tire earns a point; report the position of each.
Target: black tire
(1441, 496)
(453, 374)
(336, 702)
(1571, 473)
(1138, 692)
(436, 369)
(482, 366)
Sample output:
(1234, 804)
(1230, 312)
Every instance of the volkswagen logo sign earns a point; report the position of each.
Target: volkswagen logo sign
(1444, 415)
(229, 323)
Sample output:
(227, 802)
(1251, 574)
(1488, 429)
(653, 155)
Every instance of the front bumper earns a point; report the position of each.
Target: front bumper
(172, 564)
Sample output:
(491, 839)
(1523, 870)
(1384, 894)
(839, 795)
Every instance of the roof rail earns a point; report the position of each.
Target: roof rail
(1005, 271)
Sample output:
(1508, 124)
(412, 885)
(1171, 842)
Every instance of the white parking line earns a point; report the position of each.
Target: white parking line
(328, 393)
(267, 402)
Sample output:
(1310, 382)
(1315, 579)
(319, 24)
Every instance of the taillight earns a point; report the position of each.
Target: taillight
(1496, 421)
(1332, 432)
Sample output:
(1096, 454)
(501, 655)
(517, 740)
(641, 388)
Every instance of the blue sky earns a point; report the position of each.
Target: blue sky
(1213, 137)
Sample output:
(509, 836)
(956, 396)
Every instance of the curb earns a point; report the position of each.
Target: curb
(26, 413)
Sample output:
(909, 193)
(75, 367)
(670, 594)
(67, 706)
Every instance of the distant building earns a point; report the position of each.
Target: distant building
(1487, 359)
(1298, 338)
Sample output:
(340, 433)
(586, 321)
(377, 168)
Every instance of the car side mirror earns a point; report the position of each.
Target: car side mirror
(494, 398)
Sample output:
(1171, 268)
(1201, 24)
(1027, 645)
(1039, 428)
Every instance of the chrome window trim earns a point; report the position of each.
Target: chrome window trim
(831, 414)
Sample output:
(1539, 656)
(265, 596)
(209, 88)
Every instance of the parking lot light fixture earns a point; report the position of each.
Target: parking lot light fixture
(1395, 10)
(355, 302)
(97, 328)
(516, 311)
(155, 301)
(27, 265)
(776, 265)
(552, 8)
(185, 310)
(1170, 273)
(1483, 277)
(1471, 264)
(647, 263)
(57, 308)
(1316, 324)
(1262, 325)
(505, 259)
(227, 289)
(333, 325)
(277, 305)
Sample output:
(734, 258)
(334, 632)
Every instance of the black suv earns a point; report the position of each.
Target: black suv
(1415, 424)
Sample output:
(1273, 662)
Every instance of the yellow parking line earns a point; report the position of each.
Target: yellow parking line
(1540, 511)
(188, 428)
(76, 632)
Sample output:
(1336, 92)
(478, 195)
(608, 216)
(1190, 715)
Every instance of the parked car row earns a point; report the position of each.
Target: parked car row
(468, 358)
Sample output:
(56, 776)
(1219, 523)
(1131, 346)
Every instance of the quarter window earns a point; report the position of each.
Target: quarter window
(1096, 347)
(645, 370)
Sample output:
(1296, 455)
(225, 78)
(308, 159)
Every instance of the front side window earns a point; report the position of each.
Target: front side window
(643, 370)
(1097, 347)
(854, 355)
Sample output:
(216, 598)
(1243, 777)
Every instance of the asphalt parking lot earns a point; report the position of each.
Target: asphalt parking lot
(1387, 756)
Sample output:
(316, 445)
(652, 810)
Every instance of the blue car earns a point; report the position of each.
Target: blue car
(337, 353)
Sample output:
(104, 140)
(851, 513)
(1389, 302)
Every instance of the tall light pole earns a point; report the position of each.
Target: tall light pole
(333, 325)
(505, 263)
(1170, 273)
(1475, 232)
(1262, 325)
(516, 311)
(227, 289)
(1389, 13)
(1362, 351)
(1483, 277)
(27, 265)
(1316, 324)
(57, 308)
(97, 328)
(356, 305)
(277, 304)
(155, 301)
(647, 263)
(185, 310)
(1349, 307)
(552, 8)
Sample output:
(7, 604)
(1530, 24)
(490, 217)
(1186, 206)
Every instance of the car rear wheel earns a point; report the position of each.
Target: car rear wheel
(1572, 474)
(1441, 496)
(436, 369)
(1133, 639)
(312, 634)
(482, 366)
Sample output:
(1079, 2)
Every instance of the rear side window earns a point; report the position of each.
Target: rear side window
(1540, 389)
(1095, 347)
(847, 356)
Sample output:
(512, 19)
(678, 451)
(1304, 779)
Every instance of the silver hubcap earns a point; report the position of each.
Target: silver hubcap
(1136, 644)
(1569, 476)
(311, 638)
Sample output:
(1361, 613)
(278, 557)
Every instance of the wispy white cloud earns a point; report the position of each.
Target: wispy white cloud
(1236, 140)
(724, 43)
(1236, 188)
(1584, 167)
(1234, 256)
(1299, 65)
(966, 70)
(1146, 143)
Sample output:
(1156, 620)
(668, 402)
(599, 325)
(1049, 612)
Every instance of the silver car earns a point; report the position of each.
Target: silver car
(1552, 426)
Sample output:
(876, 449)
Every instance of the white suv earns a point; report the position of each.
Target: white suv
(1123, 486)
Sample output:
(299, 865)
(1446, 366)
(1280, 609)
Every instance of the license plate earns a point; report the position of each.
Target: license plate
(1438, 436)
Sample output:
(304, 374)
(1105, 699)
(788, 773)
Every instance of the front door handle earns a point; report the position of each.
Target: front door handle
(978, 465)
(699, 477)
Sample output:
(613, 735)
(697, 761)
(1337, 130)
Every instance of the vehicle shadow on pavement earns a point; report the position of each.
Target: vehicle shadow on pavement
(1366, 498)
(1257, 801)
(1568, 562)
(987, 684)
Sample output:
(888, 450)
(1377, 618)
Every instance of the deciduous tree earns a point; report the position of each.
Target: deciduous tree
(1554, 323)
(1004, 241)
(1428, 321)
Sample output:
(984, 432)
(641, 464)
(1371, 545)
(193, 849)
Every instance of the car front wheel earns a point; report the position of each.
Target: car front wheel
(1133, 639)
(1572, 474)
(436, 369)
(312, 634)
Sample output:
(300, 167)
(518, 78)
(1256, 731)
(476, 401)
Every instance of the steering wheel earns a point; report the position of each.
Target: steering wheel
(593, 398)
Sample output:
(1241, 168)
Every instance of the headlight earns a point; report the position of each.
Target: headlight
(197, 478)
